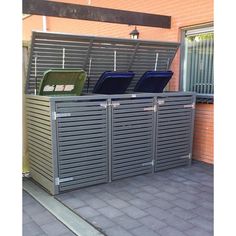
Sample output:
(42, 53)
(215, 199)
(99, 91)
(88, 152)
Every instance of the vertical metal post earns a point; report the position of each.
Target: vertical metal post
(154, 134)
(63, 58)
(115, 60)
(109, 119)
(89, 71)
(192, 129)
(155, 68)
(168, 64)
(35, 74)
(54, 147)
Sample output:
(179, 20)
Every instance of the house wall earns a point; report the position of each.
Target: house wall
(183, 13)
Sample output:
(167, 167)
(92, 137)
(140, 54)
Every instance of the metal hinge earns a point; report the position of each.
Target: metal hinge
(190, 106)
(160, 101)
(154, 108)
(58, 180)
(57, 115)
(151, 163)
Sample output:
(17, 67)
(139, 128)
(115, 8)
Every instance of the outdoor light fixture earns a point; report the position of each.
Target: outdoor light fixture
(134, 34)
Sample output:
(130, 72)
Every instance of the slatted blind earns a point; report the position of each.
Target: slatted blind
(199, 62)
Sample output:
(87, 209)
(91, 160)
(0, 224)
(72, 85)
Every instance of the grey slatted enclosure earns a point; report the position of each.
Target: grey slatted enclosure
(78, 141)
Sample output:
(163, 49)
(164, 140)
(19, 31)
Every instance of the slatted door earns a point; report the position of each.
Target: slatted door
(82, 143)
(132, 135)
(174, 131)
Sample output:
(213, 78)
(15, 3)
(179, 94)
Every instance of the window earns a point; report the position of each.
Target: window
(198, 66)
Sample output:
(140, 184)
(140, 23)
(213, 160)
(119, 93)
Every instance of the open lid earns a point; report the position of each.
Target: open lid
(95, 55)
(62, 82)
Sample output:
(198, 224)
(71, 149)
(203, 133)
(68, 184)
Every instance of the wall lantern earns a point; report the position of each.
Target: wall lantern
(134, 34)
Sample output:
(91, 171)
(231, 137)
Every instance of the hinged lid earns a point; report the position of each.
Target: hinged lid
(95, 55)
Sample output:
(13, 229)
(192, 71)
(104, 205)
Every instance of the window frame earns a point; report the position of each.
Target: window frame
(208, 27)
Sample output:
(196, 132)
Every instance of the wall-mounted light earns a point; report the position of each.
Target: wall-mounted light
(134, 34)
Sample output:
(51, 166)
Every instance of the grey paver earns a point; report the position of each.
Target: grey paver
(140, 203)
(54, 229)
(26, 218)
(96, 203)
(152, 223)
(196, 231)
(74, 202)
(163, 204)
(182, 213)
(110, 212)
(34, 208)
(31, 229)
(178, 223)
(202, 223)
(117, 231)
(204, 212)
(150, 189)
(43, 218)
(171, 231)
(126, 222)
(143, 230)
(157, 212)
(145, 196)
(104, 196)
(124, 195)
(101, 221)
(185, 204)
(134, 212)
(118, 203)
(87, 211)
(188, 196)
(166, 196)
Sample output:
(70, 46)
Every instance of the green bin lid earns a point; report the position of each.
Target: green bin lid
(62, 82)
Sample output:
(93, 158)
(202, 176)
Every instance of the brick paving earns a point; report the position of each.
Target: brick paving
(37, 221)
(176, 202)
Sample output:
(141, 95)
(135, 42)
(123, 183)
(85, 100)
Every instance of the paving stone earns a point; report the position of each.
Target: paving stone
(163, 204)
(150, 189)
(171, 190)
(74, 202)
(118, 203)
(206, 204)
(134, 212)
(55, 229)
(94, 189)
(178, 223)
(31, 229)
(145, 196)
(43, 218)
(96, 203)
(140, 203)
(126, 222)
(101, 221)
(68, 234)
(27, 199)
(202, 223)
(132, 189)
(188, 196)
(64, 196)
(83, 195)
(171, 231)
(104, 196)
(117, 231)
(87, 211)
(124, 195)
(143, 230)
(110, 212)
(196, 231)
(158, 212)
(185, 204)
(34, 208)
(204, 212)
(182, 213)
(166, 196)
(26, 218)
(152, 223)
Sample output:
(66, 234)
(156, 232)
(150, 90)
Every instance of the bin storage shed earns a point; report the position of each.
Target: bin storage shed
(78, 141)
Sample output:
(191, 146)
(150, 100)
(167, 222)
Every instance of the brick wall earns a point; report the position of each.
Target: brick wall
(184, 13)
(204, 133)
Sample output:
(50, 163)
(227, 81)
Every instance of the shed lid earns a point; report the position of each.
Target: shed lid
(95, 55)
